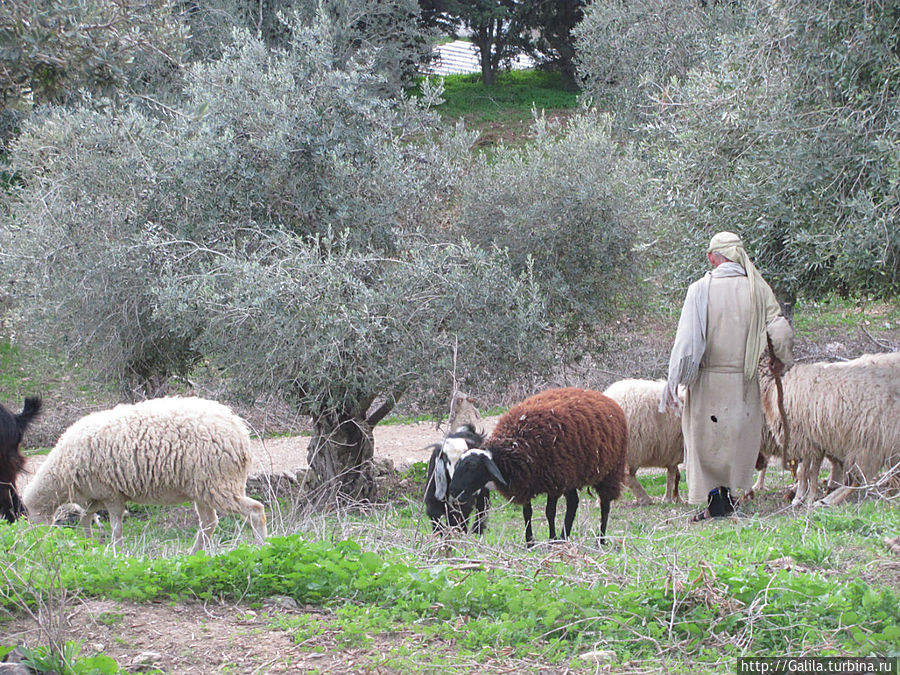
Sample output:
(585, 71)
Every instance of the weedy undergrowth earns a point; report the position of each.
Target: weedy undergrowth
(744, 588)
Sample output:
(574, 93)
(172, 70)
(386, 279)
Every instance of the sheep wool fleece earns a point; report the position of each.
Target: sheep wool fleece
(722, 417)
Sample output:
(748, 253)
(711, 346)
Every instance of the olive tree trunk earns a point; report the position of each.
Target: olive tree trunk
(341, 459)
(341, 453)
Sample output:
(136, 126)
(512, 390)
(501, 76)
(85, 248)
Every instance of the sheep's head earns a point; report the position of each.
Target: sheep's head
(40, 502)
(474, 471)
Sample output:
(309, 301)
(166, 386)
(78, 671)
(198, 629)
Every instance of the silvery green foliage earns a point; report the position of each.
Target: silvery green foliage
(334, 328)
(145, 243)
(51, 50)
(63, 52)
(388, 33)
(71, 240)
(789, 137)
(627, 53)
(569, 204)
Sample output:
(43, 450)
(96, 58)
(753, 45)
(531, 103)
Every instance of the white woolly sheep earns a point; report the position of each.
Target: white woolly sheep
(848, 412)
(654, 438)
(162, 451)
(552, 443)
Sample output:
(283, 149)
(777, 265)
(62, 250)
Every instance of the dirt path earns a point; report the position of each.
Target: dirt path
(402, 444)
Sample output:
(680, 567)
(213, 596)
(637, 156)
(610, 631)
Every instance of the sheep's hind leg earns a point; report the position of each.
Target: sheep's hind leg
(673, 477)
(526, 514)
(760, 481)
(551, 516)
(604, 517)
(632, 483)
(208, 522)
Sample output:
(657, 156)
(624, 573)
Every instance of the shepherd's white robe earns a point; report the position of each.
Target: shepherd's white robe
(722, 417)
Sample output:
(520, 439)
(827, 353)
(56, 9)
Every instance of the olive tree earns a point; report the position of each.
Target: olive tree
(570, 206)
(281, 225)
(57, 52)
(390, 34)
(789, 137)
(628, 53)
(346, 333)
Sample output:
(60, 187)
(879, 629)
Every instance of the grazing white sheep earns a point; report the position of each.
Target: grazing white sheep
(654, 438)
(848, 412)
(162, 451)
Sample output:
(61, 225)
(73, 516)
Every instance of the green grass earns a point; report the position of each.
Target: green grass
(504, 112)
(424, 417)
(515, 90)
(662, 594)
(15, 378)
(33, 372)
(832, 312)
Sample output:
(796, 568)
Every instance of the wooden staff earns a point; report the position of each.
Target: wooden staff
(776, 367)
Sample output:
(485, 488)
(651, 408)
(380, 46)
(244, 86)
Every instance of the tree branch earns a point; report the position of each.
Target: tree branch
(385, 407)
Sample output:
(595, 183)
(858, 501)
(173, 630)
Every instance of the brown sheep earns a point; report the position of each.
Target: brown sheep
(552, 443)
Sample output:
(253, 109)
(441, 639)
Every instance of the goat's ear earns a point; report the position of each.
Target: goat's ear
(495, 472)
(440, 480)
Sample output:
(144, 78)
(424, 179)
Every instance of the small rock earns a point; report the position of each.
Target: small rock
(384, 466)
(282, 601)
(14, 669)
(248, 616)
(601, 656)
(147, 659)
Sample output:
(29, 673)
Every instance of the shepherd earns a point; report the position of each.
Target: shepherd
(728, 317)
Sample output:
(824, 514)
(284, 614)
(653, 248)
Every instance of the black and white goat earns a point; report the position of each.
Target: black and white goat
(11, 460)
(443, 460)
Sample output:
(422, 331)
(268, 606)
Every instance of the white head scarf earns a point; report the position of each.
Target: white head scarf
(730, 246)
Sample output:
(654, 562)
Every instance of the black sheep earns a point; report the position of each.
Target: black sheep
(11, 460)
(444, 456)
(554, 442)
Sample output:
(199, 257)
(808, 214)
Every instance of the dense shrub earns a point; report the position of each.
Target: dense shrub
(570, 206)
(790, 138)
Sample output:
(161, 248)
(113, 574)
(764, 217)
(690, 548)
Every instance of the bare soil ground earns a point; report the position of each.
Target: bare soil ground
(201, 639)
(401, 444)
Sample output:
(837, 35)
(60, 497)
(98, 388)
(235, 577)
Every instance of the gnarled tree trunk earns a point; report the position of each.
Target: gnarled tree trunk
(341, 459)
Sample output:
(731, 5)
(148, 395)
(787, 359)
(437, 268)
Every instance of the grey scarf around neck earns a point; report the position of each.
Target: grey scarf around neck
(690, 337)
